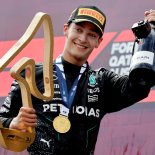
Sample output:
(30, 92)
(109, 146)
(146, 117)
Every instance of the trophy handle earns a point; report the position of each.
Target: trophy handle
(15, 71)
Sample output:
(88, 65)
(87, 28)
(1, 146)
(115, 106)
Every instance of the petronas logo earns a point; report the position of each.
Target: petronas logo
(92, 80)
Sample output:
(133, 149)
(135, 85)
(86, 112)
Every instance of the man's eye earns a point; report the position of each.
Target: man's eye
(92, 35)
(78, 30)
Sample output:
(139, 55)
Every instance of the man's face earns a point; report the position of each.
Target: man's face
(81, 39)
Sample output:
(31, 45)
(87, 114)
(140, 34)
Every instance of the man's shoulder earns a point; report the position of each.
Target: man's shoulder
(103, 72)
(98, 70)
(39, 65)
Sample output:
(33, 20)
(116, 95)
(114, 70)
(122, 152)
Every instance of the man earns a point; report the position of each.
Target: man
(69, 123)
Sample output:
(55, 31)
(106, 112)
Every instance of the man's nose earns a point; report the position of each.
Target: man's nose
(83, 37)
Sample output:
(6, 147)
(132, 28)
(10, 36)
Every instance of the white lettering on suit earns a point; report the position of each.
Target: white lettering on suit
(76, 109)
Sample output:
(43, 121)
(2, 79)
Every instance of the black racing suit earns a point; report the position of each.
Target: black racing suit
(99, 92)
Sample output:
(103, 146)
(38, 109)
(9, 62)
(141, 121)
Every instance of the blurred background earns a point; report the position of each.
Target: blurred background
(126, 132)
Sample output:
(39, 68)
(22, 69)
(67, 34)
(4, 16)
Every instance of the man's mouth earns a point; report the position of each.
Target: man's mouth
(80, 46)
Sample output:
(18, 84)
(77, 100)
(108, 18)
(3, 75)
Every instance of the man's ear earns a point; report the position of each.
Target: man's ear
(65, 29)
(99, 41)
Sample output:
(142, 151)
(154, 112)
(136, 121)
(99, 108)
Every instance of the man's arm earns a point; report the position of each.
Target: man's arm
(12, 114)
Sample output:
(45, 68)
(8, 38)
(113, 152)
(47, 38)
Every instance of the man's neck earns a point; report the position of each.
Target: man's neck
(72, 60)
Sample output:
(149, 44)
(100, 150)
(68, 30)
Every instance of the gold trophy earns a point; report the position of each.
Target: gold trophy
(12, 139)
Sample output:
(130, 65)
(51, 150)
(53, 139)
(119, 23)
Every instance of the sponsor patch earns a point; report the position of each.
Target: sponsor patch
(92, 98)
(92, 80)
(92, 13)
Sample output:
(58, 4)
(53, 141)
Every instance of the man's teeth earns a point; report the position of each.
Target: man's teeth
(80, 46)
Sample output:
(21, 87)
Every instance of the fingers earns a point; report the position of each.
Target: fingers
(151, 11)
(25, 118)
(27, 112)
(28, 117)
(150, 15)
(146, 13)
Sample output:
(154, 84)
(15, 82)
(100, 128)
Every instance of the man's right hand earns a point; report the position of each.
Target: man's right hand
(25, 118)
